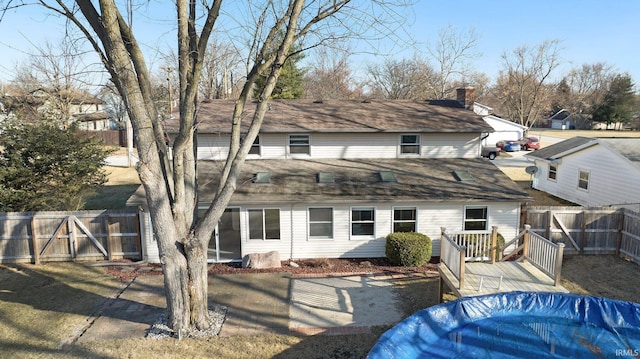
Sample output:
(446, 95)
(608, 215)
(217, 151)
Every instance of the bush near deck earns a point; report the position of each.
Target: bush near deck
(409, 249)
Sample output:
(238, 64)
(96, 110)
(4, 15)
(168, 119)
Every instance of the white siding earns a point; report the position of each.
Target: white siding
(348, 146)
(295, 242)
(613, 180)
(503, 130)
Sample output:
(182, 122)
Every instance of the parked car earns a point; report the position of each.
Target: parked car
(490, 152)
(529, 143)
(511, 146)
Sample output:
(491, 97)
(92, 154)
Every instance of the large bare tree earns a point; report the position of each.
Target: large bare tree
(171, 184)
(329, 76)
(450, 57)
(400, 79)
(523, 87)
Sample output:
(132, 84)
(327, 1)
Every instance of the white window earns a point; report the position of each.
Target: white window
(553, 171)
(404, 219)
(255, 147)
(475, 218)
(410, 144)
(363, 222)
(299, 144)
(583, 180)
(264, 223)
(321, 223)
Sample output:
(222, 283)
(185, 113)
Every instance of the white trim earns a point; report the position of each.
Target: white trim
(419, 144)
(393, 219)
(333, 224)
(362, 237)
(264, 224)
(555, 165)
(580, 170)
(298, 155)
(474, 206)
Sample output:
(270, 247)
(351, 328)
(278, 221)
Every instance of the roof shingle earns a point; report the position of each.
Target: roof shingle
(288, 116)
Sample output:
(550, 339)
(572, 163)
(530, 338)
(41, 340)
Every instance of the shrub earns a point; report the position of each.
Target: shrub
(408, 249)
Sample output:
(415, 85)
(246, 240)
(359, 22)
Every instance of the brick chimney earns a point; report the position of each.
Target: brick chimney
(465, 97)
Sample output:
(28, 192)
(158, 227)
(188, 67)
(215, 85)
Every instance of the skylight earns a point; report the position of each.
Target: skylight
(262, 177)
(463, 176)
(325, 177)
(388, 176)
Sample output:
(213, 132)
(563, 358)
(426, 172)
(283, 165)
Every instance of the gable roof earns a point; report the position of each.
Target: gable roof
(626, 147)
(290, 116)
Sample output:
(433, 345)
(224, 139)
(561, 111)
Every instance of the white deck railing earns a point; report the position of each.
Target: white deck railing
(544, 254)
(453, 256)
(461, 247)
(477, 243)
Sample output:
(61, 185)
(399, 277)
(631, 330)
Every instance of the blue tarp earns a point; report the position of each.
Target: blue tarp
(517, 325)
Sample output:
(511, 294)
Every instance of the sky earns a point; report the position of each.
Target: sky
(589, 31)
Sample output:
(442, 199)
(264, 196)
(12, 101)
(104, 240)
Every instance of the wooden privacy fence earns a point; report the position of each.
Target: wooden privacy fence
(69, 236)
(585, 230)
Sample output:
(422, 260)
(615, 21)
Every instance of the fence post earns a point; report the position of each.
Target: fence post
(558, 267)
(525, 238)
(463, 253)
(494, 243)
(34, 240)
(109, 237)
(442, 231)
(620, 219)
(549, 223)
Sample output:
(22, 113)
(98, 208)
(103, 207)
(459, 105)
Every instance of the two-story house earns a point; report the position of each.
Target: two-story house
(334, 178)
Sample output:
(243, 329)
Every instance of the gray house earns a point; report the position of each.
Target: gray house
(334, 178)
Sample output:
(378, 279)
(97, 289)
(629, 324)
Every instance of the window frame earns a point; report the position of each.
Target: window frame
(256, 145)
(403, 144)
(585, 181)
(311, 224)
(484, 220)
(414, 221)
(264, 227)
(553, 169)
(353, 222)
(307, 145)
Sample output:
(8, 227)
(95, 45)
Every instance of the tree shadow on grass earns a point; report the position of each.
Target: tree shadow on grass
(41, 307)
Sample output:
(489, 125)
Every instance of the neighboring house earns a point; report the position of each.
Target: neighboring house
(334, 178)
(561, 120)
(503, 130)
(590, 171)
(71, 106)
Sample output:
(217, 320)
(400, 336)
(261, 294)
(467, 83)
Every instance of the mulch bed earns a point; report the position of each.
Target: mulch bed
(307, 267)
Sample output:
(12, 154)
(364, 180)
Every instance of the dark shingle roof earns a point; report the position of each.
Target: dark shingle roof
(557, 149)
(431, 180)
(627, 147)
(287, 116)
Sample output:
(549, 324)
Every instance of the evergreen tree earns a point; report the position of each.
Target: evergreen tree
(619, 102)
(45, 167)
(290, 82)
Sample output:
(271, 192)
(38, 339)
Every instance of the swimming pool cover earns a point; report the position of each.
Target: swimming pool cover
(517, 325)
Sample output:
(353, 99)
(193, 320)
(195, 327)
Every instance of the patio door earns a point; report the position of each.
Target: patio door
(224, 246)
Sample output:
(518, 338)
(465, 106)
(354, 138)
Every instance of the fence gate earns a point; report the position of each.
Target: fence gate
(70, 236)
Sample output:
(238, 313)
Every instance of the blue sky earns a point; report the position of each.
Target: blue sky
(590, 31)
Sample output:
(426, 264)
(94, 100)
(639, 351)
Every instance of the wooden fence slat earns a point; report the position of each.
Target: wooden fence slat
(55, 234)
(81, 235)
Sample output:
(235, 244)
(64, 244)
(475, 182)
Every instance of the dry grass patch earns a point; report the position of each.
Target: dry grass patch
(41, 306)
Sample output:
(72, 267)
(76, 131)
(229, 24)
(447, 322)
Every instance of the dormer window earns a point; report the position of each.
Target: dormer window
(410, 144)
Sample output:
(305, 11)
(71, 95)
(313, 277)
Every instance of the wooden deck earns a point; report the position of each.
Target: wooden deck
(486, 278)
